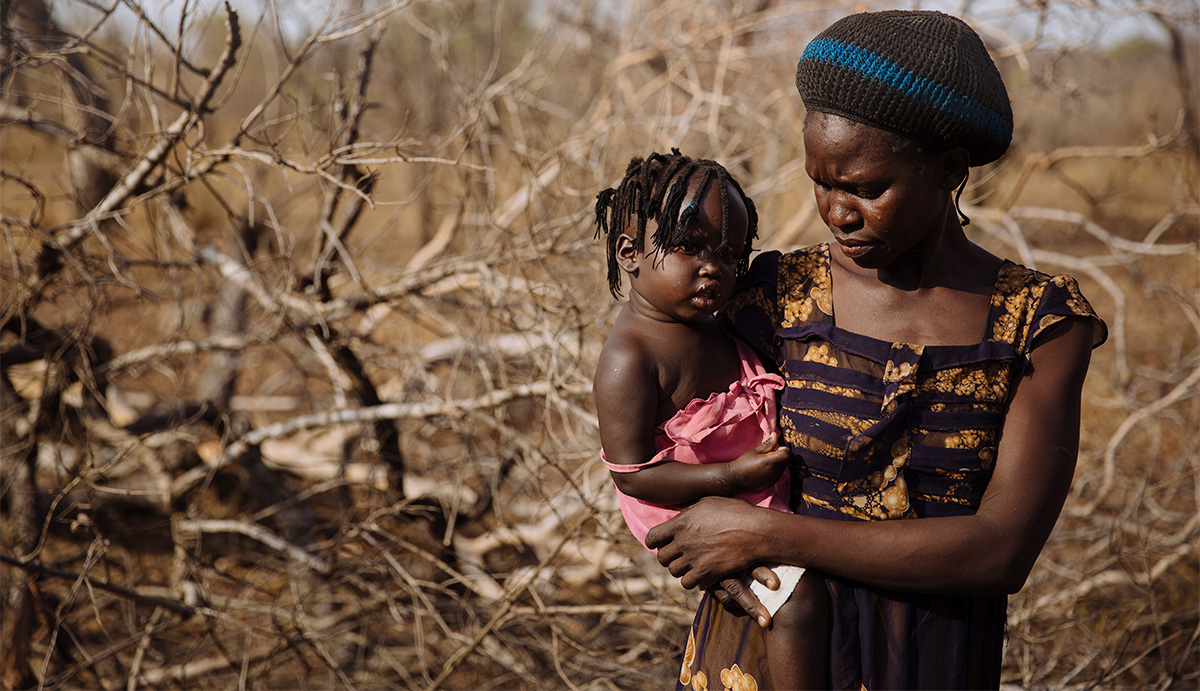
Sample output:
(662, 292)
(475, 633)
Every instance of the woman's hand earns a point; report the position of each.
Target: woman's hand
(735, 595)
(713, 539)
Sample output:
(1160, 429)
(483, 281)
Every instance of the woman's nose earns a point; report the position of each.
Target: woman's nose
(842, 211)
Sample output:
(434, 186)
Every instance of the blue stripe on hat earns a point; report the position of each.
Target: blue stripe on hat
(916, 87)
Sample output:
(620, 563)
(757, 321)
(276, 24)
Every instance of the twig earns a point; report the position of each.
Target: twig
(386, 411)
(154, 157)
(259, 533)
(175, 606)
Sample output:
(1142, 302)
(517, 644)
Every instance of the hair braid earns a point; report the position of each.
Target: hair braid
(655, 188)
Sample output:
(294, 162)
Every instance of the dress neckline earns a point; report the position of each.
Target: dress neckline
(827, 269)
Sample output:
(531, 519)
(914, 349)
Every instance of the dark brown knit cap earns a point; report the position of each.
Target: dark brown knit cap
(922, 74)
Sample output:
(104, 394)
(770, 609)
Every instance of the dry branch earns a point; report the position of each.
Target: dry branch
(175, 606)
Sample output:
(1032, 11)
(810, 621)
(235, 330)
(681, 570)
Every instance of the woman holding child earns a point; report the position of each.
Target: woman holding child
(932, 390)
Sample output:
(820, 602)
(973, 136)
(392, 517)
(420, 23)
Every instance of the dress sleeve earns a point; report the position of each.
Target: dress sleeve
(753, 311)
(1062, 300)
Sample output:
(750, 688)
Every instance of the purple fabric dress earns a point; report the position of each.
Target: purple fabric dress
(883, 431)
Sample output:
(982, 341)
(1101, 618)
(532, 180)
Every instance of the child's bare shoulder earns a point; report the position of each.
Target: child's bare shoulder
(625, 356)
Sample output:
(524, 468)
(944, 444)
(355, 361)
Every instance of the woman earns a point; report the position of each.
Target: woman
(926, 379)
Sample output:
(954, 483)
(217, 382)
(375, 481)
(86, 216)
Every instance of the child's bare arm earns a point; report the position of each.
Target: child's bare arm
(627, 396)
(672, 483)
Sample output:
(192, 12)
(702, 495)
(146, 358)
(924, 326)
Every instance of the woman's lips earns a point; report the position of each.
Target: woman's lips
(854, 249)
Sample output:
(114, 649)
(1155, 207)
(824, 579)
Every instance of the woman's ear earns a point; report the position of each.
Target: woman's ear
(627, 256)
(955, 164)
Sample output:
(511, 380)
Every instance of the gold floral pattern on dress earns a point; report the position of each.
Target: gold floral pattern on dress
(970, 439)
(824, 298)
(1074, 301)
(700, 681)
(884, 493)
(822, 353)
(814, 500)
(893, 373)
(899, 374)
(689, 657)
(827, 388)
(734, 679)
(797, 271)
(1011, 279)
(987, 458)
(987, 381)
(1019, 291)
(851, 424)
(797, 439)
(945, 499)
(1048, 321)
(1077, 302)
(796, 312)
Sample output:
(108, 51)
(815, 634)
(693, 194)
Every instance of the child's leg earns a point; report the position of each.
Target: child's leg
(798, 640)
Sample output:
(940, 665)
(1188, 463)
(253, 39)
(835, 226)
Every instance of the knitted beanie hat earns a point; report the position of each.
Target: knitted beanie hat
(921, 74)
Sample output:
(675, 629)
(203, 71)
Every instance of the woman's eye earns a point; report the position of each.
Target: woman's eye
(868, 194)
(687, 248)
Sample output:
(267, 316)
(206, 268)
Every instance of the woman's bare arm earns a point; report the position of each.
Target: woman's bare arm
(991, 551)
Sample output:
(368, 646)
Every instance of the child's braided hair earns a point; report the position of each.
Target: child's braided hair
(654, 188)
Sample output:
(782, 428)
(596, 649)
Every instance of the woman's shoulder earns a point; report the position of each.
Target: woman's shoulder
(810, 259)
(1032, 301)
(785, 272)
(781, 290)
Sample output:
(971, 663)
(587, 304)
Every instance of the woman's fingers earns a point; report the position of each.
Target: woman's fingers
(661, 534)
(747, 600)
(727, 600)
(764, 575)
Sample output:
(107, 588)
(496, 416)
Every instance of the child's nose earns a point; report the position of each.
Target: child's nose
(709, 265)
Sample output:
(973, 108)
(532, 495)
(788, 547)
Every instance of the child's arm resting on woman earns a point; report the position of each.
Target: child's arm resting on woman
(991, 551)
(627, 393)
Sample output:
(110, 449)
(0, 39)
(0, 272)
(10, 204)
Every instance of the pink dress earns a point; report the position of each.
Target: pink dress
(719, 429)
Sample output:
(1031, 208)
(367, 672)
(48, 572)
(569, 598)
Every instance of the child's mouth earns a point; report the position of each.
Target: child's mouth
(708, 295)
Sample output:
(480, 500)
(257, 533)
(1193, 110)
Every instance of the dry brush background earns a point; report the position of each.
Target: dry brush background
(300, 305)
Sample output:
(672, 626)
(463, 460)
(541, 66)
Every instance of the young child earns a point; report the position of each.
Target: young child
(686, 410)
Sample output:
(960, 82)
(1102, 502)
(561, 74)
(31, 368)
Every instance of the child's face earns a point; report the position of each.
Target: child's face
(694, 280)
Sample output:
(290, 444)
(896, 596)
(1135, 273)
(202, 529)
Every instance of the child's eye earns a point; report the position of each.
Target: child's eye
(726, 254)
(688, 248)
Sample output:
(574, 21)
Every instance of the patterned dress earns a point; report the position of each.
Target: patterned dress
(883, 431)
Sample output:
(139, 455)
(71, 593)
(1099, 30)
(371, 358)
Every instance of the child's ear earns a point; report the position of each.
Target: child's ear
(955, 164)
(627, 255)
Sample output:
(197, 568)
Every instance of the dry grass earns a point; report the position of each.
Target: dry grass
(307, 404)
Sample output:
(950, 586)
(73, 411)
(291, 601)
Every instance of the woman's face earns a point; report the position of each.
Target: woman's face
(880, 195)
